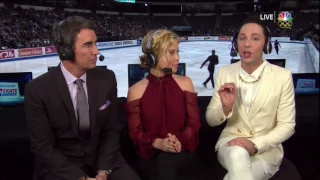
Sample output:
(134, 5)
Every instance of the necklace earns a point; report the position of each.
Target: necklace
(254, 81)
(250, 81)
(247, 98)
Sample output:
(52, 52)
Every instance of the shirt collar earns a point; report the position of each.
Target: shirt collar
(255, 73)
(71, 78)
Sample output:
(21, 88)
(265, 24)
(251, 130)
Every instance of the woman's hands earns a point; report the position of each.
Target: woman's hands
(169, 144)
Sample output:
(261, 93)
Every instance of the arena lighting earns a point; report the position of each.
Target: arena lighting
(126, 1)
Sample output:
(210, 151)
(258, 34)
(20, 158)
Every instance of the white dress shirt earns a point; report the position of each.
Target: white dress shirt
(249, 85)
(70, 79)
(248, 91)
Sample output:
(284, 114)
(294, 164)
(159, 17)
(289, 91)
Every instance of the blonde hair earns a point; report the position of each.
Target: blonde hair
(159, 45)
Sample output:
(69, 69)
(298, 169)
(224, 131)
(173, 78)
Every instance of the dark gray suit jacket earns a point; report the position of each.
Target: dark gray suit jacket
(53, 128)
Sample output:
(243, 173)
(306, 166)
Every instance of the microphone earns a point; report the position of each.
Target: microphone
(101, 57)
(167, 70)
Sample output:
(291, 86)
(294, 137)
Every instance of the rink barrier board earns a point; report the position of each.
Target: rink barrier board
(314, 54)
(39, 52)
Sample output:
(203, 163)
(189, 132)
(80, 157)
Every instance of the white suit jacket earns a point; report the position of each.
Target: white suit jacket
(271, 119)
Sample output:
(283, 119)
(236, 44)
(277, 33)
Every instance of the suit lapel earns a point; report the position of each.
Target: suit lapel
(65, 95)
(92, 87)
(239, 105)
(263, 91)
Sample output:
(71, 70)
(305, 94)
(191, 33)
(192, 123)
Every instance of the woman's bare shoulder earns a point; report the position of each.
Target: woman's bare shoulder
(137, 90)
(184, 82)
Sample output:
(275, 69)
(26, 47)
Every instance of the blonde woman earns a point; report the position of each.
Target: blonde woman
(162, 111)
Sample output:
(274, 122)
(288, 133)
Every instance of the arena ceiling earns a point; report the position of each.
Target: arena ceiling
(97, 3)
(209, 1)
(140, 1)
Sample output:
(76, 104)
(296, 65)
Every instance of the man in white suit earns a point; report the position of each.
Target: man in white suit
(256, 99)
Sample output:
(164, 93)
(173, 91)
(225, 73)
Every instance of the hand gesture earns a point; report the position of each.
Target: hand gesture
(242, 142)
(164, 145)
(227, 93)
(177, 144)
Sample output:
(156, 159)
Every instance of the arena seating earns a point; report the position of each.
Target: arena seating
(26, 28)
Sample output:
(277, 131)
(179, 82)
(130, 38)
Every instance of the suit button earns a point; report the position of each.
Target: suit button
(251, 133)
(239, 131)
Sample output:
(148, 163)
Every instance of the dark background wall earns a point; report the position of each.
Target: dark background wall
(16, 161)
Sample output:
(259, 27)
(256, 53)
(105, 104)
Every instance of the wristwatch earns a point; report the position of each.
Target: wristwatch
(108, 172)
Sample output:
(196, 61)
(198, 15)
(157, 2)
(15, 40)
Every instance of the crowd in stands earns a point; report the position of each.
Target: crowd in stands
(24, 28)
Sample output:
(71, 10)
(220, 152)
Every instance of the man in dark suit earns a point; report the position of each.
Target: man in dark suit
(72, 112)
(213, 60)
(276, 46)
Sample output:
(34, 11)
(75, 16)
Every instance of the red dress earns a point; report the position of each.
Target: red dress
(164, 108)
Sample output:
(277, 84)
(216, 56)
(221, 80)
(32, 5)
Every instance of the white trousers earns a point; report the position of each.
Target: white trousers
(242, 166)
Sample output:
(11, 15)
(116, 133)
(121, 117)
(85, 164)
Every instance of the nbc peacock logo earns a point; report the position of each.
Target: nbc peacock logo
(284, 20)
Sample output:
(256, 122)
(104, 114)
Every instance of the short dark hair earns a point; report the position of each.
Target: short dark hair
(65, 32)
(256, 20)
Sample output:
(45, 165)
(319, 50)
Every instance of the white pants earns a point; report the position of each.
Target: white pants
(242, 166)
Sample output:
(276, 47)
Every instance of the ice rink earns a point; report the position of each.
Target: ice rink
(192, 53)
